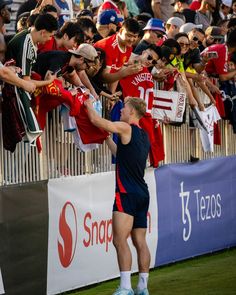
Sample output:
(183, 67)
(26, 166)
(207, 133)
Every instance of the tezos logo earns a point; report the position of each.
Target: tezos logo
(67, 241)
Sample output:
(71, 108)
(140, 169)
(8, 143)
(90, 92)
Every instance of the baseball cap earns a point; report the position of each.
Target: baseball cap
(24, 14)
(176, 21)
(95, 3)
(5, 2)
(155, 24)
(85, 50)
(227, 2)
(166, 52)
(186, 28)
(108, 16)
(214, 32)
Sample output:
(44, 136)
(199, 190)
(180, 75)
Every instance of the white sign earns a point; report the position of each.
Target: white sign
(168, 104)
(1, 284)
(80, 250)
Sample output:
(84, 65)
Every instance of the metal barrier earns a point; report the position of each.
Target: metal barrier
(60, 157)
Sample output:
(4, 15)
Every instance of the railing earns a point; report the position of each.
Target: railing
(60, 157)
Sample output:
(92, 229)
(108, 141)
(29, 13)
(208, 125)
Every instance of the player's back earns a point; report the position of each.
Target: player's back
(131, 162)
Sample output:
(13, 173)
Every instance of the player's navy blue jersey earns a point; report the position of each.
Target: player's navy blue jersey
(131, 162)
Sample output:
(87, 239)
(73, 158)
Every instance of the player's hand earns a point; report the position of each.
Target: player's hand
(88, 103)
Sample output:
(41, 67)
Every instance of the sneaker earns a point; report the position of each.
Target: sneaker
(121, 291)
(141, 292)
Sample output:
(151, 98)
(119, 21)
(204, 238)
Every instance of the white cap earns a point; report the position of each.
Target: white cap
(227, 2)
(95, 3)
(189, 27)
(85, 50)
(176, 21)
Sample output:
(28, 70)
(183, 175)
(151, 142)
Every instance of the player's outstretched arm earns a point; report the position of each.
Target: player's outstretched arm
(121, 128)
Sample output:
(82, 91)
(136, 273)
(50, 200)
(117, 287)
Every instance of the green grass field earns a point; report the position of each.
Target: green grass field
(213, 274)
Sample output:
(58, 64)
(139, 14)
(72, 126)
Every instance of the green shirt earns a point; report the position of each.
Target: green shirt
(22, 49)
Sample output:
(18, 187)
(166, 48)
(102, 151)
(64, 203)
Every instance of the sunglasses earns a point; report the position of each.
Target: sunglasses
(195, 39)
(159, 35)
(150, 57)
(182, 44)
(88, 62)
(87, 38)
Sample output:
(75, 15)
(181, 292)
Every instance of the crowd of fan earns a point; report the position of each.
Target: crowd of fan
(65, 52)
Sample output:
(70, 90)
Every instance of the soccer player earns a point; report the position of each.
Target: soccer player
(131, 196)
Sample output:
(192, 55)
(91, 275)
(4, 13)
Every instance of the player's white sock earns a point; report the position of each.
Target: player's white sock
(125, 279)
(143, 280)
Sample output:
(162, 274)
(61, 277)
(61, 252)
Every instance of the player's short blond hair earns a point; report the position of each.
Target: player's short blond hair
(138, 104)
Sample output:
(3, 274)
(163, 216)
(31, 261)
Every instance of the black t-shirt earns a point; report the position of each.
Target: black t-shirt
(53, 61)
(192, 57)
(189, 15)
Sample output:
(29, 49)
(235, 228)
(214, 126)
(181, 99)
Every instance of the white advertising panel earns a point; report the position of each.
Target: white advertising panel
(168, 104)
(1, 284)
(80, 250)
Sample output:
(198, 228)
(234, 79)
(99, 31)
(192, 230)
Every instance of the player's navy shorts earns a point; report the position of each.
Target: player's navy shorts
(135, 205)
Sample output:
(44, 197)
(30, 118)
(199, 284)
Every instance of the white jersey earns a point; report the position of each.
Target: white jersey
(209, 117)
(70, 125)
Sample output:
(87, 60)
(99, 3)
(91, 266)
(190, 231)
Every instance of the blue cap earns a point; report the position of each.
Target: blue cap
(155, 24)
(108, 16)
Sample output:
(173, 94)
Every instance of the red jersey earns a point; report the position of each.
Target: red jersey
(115, 57)
(50, 45)
(109, 4)
(217, 66)
(139, 85)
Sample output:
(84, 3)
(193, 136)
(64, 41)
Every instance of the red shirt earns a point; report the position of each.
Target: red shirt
(139, 85)
(50, 45)
(217, 66)
(115, 57)
(195, 5)
(109, 4)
